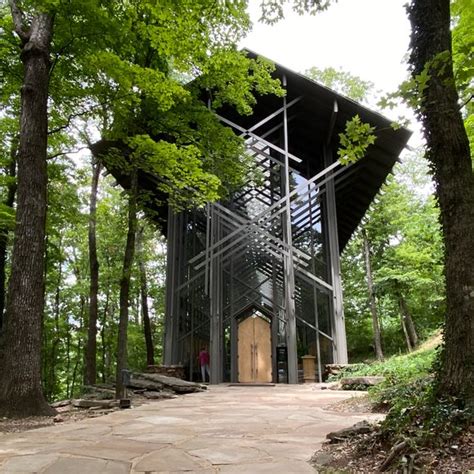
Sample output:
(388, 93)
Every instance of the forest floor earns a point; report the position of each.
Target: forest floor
(36, 422)
(364, 453)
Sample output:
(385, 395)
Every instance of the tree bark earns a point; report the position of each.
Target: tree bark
(90, 374)
(150, 355)
(21, 393)
(372, 301)
(405, 332)
(449, 156)
(408, 321)
(102, 336)
(125, 287)
(9, 201)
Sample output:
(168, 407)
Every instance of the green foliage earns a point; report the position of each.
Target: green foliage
(180, 169)
(396, 369)
(404, 239)
(406, 247)
(344, 82)
(7, 217)
(67, 281)
(415, 414)
(232, 77)
(411, 91)
(136, 71)
(418, 416)
(463, 61)
(358, 136)
(273, 10)
(463, 45)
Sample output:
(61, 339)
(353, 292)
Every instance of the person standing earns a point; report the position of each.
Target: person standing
(204, 363)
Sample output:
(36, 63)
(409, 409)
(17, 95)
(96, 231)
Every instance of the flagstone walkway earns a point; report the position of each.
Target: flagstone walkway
(225, 429)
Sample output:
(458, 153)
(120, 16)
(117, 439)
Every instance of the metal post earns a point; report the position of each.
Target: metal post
(315, 290)
(339, 330)
(177, 353)
(275, 292)
(169, 337)
(288, 260)
(216, 310)
(234, 371)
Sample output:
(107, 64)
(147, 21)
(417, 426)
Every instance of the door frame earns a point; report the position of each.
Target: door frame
(244, 313)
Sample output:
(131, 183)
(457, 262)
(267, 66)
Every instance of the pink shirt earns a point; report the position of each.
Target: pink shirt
(204, 358)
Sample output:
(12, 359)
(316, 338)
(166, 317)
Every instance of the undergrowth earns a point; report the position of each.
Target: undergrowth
(416, 413)
(395, 368)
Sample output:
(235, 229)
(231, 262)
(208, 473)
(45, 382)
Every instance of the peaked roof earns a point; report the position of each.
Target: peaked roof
(316, 120)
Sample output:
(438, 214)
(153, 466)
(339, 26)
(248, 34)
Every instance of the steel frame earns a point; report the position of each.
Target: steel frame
(273, 248)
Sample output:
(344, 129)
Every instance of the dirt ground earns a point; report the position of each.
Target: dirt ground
(65, 414)
(32, 423)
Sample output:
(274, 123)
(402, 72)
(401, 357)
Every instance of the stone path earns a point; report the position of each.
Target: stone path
(226, 429)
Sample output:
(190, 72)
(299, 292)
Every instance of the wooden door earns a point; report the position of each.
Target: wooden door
(255, 350)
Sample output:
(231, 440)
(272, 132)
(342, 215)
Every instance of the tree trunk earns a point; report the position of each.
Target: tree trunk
(68, 357)
(76, 267)
(76, 367)
(21, 393)
(408, 321)
(9, 201)
(90, 374)
(372, 301)
(125, 287)
(150, 356)
(405, 332)
(449, 155)
(50, 383)
(102, 336)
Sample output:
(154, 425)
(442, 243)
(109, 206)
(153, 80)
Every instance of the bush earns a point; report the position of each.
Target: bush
(417, 415)
(396, 368)
(409, 393)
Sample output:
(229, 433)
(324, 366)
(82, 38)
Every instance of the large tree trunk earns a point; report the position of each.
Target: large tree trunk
(449, 156)
(150, 353)
(125, 287)
(9, 201)
(372, 301)
(20, 378)
(90, 374)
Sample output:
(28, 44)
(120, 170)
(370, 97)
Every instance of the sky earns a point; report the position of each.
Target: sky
(368, 38)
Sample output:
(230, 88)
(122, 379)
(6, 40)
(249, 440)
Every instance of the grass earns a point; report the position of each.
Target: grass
(403, 367)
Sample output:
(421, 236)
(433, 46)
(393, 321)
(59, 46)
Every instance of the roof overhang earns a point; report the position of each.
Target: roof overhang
(315, 122)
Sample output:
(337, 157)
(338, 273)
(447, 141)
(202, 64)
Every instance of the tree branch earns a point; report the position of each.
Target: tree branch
(57, 54)
(89, 110)
(398, 448)
(466, 102)
(69, 120)
(18, 21)
(68, 152)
